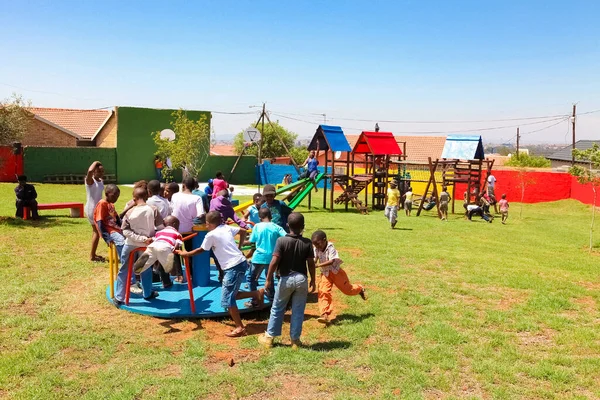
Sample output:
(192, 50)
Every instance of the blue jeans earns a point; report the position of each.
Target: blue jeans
(119, 241)
(254, 272)
(158, 174)
(232, 280)
(145, 277)
(294, 286)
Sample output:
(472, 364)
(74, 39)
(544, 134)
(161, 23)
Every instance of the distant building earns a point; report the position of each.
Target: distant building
(563, 157)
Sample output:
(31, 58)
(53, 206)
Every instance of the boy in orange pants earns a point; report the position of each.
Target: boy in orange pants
(327, 258)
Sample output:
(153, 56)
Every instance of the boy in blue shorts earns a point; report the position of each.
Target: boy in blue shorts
(264, 237)
(220, 239)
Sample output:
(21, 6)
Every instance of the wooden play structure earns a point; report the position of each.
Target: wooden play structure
(379, 149)
(462, 163)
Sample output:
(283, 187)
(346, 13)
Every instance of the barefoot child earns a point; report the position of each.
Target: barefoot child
(328, 260)
(220, 238)
(391, 204)
(293, 260)
(503, 203)
(94, 185)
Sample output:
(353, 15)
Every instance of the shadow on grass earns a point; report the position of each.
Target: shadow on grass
(42, 222)
(329, 346)
(402, 229)
(352, 318)
(171, 329)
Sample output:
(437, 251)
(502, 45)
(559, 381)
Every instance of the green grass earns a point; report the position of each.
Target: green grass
(456, 310)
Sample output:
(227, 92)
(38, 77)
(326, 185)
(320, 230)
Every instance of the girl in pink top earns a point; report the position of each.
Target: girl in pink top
(219, 183)
(503, 208)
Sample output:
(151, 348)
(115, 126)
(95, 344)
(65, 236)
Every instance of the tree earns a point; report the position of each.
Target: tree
(588, 175)
(191, 146)
(525, 160)
(14, 119)
(271, 144)
(525, 179)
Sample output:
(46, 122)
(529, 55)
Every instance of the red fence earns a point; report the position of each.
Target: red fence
(11, 164)
(539, 186)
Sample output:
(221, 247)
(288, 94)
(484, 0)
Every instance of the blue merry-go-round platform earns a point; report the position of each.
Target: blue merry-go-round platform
(174, 302)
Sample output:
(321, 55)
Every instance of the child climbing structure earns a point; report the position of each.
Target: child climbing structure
(379, 150)
(463, 165)
(333, 142)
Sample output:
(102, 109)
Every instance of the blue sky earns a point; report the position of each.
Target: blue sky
(373, 61)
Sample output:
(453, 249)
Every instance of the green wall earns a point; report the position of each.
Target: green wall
(244, 172)
(42, 161)
(135, 147)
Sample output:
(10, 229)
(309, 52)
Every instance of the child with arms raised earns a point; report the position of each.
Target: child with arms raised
(328, 260)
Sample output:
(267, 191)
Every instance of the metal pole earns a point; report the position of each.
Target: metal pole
(573, 122)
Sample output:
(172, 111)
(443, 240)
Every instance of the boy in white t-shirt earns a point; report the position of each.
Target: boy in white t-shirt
(220, 239)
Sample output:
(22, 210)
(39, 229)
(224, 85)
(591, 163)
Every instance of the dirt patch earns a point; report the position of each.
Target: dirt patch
(590, 285)
(25, 307)
(541, 338)
(587, 304)
(510, 298)
(231, 358)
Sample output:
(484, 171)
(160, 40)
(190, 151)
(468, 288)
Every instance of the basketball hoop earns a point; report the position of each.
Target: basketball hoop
(252, 135)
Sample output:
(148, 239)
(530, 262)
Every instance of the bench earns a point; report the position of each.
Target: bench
(76, 209)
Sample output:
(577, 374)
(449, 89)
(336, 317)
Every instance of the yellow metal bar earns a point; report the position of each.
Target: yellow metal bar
(112, 266)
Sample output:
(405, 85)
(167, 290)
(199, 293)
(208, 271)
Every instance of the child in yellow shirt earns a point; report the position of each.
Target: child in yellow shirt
(392, 201)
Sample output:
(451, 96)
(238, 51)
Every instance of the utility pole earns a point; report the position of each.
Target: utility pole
(262, 132)
(518, 139)
(573, 122)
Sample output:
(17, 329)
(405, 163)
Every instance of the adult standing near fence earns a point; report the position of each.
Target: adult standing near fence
(94, 187)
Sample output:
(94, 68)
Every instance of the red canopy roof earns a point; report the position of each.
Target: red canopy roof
(377, 144)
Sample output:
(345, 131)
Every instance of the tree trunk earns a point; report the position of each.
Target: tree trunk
(522, 198)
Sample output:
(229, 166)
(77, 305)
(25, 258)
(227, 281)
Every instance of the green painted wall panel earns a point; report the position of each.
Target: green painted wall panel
(42, 161)
(244, 172)
(135, 147)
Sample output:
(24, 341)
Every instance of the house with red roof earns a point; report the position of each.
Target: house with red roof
(63, 127)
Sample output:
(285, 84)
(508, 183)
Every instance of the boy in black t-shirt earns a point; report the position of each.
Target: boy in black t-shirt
(291, 256)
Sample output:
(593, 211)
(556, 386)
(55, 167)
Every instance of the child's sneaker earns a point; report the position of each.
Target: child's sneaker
(363, 294)
(138, 266)
(265, 340)
(135, 288)
(323, 319)
(296, 344)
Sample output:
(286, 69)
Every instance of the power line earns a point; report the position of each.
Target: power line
(546, 127)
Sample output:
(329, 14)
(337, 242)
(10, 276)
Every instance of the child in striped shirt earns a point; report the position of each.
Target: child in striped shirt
(161, 249)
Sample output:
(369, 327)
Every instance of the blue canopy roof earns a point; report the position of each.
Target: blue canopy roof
(463, 147)
(329, 138)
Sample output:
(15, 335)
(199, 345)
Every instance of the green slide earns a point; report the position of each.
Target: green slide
(304, 192)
